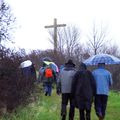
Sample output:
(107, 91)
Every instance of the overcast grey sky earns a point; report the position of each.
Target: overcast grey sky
(33, 15)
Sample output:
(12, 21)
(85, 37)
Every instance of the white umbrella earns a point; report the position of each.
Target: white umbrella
(26, 63)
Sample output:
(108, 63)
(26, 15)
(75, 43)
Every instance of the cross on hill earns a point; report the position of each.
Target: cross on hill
(55, 25)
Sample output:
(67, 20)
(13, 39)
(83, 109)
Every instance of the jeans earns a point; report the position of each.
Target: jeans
(48, 89)
(65, 98)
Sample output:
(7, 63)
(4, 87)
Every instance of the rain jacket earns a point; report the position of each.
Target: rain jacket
(65, 78)
(103, 80)
(42, 77)
(83, 89)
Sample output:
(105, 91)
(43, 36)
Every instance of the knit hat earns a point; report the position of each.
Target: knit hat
(70, 62)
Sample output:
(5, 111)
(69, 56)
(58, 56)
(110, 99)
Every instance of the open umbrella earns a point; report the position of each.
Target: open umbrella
(102, 58)
(26, 63)
(52, 65)
(47, 59)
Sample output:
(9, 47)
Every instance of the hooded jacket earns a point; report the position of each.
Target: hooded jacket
(83, 88)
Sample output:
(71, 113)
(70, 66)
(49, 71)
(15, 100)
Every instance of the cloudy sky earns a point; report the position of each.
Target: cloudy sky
(33, 15)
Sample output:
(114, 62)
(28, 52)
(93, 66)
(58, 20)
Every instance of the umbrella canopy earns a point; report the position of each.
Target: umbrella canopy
(47, 59)
(102, 58)
(26, 63)
(52, 65)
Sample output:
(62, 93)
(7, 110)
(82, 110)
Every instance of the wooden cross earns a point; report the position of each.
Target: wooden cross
(55, 25)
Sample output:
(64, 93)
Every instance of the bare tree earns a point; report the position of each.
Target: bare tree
(97, 38)
(112, 49)
(6, 21)
(71, 38)
(78, 51)
(68, 39)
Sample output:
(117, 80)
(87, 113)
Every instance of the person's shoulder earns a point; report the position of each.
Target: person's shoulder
(78, 72)
(88, 71)
(41, 69)
(74, 69)
(94, 70)
(108, 71)
(67, 68)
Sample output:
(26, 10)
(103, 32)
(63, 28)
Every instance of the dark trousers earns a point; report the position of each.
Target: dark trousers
(100, 105)
(66, 97)
(85, 114)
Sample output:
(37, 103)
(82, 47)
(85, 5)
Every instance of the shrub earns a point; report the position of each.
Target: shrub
(14, 87)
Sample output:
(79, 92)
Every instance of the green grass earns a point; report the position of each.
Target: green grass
(48, 108)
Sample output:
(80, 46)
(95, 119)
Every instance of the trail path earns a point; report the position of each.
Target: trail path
(49, 107)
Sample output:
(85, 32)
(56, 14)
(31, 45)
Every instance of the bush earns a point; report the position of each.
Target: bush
(14, 87)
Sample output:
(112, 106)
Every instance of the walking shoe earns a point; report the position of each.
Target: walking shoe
(46, 93)
(63, 117)
(70, 118)
(101, 118)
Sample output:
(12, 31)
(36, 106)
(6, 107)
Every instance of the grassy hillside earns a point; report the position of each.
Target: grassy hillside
(48, 108)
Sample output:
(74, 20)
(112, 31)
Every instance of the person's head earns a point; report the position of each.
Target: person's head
(70, 63)
(43, 65)
(82, 66)
(102, 65)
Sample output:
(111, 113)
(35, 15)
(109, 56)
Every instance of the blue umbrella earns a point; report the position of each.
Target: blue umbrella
(102, 58)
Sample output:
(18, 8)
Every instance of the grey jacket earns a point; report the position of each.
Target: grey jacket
(65, 78)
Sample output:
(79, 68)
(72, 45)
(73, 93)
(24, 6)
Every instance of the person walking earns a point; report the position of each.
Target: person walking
(83, 91)
(40, 73)
(64, 83)
(103, 81)
(47, 76)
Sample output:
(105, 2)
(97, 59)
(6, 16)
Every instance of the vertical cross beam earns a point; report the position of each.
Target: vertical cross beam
(55, 25)
(55, 34)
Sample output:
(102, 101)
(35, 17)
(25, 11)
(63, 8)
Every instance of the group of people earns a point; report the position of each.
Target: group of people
(81, 88)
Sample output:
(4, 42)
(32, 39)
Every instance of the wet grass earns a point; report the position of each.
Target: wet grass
(48, 108)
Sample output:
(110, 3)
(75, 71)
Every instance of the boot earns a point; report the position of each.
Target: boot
(63, 117)
(70, 118)
(46, 93)
(101, 118)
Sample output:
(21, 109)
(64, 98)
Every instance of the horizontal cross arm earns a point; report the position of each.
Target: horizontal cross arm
(61, 25)
(52, 26)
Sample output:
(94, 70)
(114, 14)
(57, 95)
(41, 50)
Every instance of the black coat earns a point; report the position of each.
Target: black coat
(83, 89)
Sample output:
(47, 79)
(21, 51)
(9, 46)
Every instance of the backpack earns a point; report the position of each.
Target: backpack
(48, 73)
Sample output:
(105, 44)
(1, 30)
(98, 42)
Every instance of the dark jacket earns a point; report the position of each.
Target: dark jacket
(29, 72)
(83, 89)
